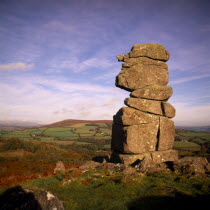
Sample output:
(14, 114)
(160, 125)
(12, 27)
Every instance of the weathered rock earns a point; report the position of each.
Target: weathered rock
(144, 129)
(191, 166)
(207, 168)
(163, 156)
(47, 200)
(113, 167)
(192, 160)
(89, 165)
(145, 105)
(59, 168)
(140, 76)
(129, 159)
(146, 164)
(155, 92)
(154, 51)
(129, 116)
(191, 169)
(20, 198)
(136, 77)
(144, 62)
(129, 170)
(168, 110)
(149, 166)
(157, 157)
(135, 138)
(166, 134)
(120, 57)
(118, 141)
(151, 106)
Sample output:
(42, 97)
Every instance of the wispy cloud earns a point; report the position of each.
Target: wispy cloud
(188, 79)
(76, 65)
(57, 25)
(16, 66)
(50, 99)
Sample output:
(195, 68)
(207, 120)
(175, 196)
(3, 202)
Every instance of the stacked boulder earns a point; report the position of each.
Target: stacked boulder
(144, 128)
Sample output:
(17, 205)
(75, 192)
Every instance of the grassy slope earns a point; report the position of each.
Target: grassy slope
(104, 190)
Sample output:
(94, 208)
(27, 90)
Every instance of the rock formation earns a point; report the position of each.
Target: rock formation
(144, 128)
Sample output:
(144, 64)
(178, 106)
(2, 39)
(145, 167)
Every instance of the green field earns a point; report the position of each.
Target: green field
(89, 137)
(180, 144)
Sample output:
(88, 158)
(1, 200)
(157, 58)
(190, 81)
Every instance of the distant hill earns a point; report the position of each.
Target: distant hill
(74, 121)
(195, 128)
(16, 123)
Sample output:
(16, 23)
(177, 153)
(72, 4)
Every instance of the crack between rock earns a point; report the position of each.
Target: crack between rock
(158, 136)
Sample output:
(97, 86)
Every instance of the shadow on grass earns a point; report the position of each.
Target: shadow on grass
(170, 203)
(18, 198)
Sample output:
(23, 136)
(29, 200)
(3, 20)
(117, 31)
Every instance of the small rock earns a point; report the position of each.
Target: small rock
(129, 170)
(89, 165)
(113, 167)
(207, 168)
(59, 167)
(145, 165)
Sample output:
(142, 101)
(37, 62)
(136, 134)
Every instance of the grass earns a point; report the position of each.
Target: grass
(104, 190)
(59, 142)
(82, 143)
(88, 127)
(192, 134)
(54, 129)
(60, 134)
(180, 144)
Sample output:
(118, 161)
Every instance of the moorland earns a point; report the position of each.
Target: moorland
(28, 156)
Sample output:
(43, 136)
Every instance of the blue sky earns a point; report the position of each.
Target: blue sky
(58, 57)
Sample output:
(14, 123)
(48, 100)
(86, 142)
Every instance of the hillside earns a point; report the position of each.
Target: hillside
(75, 121)
(195, 128)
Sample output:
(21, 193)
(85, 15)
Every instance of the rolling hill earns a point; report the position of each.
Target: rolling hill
(75, 121)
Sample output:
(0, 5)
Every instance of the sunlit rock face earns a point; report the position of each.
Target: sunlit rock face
(145, 127)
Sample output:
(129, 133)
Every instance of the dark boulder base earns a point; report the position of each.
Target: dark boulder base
(24, 199)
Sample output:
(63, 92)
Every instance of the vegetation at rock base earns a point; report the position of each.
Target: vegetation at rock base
(100, 189)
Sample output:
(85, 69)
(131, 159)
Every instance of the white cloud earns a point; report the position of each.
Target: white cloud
(187, 79)
(76, 65)
(16, 66)
(48, 100)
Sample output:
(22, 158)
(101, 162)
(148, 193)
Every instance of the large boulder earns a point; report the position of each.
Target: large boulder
(141, 75)
(129, 116)
(145, 105)
(168, 110)
(163, 156)
(153, 51)
(155, 92)
(135, 138)
(191, 166)
(20, 198)
(166, 134)
(156, 156)
(143, 61)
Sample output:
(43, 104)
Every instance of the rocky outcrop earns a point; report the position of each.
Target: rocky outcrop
(144, 129)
